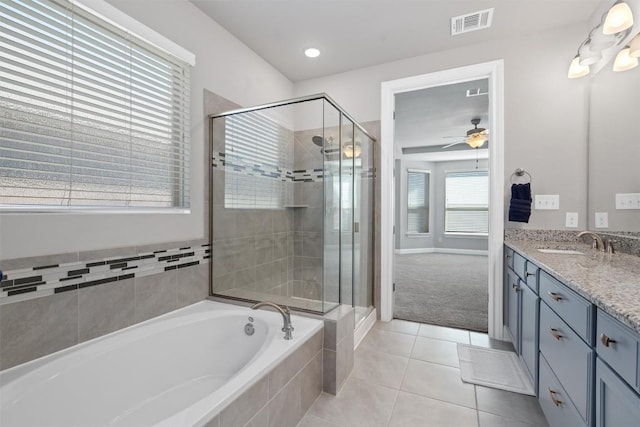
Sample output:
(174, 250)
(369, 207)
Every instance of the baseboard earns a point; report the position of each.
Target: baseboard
(364, 328)
(441, 251)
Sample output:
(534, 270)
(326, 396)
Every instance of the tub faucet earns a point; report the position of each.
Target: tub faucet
(286, 316)
(597, 240)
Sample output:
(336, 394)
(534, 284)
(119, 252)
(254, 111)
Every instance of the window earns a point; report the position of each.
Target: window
(257, 162)
(467, 202)
(90, 114)
(417, 201)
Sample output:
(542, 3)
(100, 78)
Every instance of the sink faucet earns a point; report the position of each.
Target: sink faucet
(597, 240)
(286, 316)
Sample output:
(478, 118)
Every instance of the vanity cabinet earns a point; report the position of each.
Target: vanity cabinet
(521, 310)
(586, 363)
(617, 373)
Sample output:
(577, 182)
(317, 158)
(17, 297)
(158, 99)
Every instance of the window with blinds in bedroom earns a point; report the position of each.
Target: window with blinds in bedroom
(417, 201)
(467, 202)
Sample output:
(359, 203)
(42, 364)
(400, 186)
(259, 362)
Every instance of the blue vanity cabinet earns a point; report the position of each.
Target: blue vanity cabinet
(617, 405)
(617, 373)
(530, 307)
(512, 302)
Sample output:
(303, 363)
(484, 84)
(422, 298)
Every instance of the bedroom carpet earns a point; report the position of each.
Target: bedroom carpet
(442, 289)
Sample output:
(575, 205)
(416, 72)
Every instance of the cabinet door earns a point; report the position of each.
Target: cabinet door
(529, 332)
(616, 403)
(512, 300)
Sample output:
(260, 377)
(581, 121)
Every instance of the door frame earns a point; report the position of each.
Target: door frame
(494, 71)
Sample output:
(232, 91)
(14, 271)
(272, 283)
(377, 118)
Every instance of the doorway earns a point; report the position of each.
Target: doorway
(441, 142)
(493, 72)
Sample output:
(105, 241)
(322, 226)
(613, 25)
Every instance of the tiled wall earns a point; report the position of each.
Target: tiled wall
(53, 302)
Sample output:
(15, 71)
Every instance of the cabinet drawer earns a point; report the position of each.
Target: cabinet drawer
(575, 310)
(519, 265)
(557, 408)
(531, 276)
(618, 346)
(508, 257)
(569, 357)
(616, 404)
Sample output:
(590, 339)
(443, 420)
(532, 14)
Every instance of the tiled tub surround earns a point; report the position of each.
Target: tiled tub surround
(611, 282)
(53, 302)
(209, 384)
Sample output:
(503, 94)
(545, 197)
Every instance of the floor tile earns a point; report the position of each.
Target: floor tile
(379, 368)
(436, 351)
(438, 382)
(397, 325)
(388, 342)
(417, 411)
(510, 405)
(359, 403)
(442, 333)
(482, 340)
(311, 421)
(489, 420)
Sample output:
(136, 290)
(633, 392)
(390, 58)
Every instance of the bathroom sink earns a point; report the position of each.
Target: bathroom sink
(560, 251)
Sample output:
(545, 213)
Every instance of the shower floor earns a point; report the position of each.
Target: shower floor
(304, 304)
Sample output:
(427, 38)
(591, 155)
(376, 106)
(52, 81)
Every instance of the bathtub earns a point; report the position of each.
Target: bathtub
(179, 369)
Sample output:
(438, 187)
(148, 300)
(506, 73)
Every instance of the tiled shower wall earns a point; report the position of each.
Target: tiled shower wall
(52, 302)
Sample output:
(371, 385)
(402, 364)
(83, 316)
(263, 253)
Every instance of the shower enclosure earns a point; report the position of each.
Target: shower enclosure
(292, 187)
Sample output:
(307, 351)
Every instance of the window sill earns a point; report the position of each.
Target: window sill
(89, 210)
(467, 235)
(417, 235)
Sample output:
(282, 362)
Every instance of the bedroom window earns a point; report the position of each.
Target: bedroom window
(91, 115)
(417, 201)
(467, 202)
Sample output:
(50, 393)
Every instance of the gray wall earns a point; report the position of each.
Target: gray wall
(545, 114)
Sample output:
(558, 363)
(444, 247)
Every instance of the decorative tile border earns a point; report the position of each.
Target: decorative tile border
(43, 280)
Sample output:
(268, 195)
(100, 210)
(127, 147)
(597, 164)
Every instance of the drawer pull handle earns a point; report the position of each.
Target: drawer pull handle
(606, 341)
(555, 401)
(530, 274)
(555, 334)
(555, 296)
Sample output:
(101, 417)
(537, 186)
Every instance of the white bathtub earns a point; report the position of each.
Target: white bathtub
(180, 369)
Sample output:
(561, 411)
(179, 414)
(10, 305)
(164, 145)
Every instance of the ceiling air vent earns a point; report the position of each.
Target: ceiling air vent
(471, 22)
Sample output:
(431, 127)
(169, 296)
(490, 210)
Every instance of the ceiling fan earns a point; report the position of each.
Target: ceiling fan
(475, 137)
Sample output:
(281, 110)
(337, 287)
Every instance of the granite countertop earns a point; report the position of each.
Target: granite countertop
(611, 282)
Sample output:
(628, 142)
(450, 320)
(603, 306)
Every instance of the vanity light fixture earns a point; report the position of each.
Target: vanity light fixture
(576, 70)
(312, 52)
(634, 47)
(619, 18)
(624, 61)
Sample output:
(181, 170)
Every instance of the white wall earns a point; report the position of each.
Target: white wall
(545, 112)
(223, 65)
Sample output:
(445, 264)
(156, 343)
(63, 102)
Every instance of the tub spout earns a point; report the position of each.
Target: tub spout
(286, 316)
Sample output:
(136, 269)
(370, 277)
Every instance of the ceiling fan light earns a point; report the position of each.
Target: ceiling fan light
(589, 56)
(624, 61)
(352, 150)
(576, 70)
(619, 18)
(476, 140)
(634, 47)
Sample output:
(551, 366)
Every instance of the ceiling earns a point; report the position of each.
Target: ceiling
(358, 33)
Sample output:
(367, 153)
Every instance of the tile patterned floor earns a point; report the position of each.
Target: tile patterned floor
(406, 374)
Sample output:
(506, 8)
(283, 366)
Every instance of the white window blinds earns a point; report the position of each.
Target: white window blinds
(257, 162)
(90, 115)
(467, 202)
(417, 202)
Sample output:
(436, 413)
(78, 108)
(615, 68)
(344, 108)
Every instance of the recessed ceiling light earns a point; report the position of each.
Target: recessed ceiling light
(312, 52)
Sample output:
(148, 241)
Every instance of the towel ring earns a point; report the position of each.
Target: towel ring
(519, 173)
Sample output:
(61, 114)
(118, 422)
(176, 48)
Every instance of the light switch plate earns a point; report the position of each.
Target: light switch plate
(628, 201)
(602, 220)
(547, 201)
(572, 220)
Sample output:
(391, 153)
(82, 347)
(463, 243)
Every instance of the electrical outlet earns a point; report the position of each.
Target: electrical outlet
(572, 220)
(547, 201)
(602, 220)
(628, 201)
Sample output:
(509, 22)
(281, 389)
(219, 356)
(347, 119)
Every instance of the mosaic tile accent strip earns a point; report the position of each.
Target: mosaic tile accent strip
(223, 162)
(42, 280)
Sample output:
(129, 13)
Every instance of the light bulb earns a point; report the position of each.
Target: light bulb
(623, 61)
(634, 47)
(619, 18)
(576, 70)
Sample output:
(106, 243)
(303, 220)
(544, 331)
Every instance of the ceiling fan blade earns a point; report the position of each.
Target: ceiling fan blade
(455, 143)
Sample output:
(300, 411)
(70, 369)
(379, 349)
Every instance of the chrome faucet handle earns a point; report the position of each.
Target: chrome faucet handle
(610, 248)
